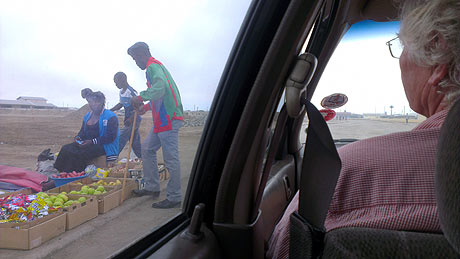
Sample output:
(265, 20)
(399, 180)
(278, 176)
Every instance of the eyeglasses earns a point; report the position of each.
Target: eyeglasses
(395, 46)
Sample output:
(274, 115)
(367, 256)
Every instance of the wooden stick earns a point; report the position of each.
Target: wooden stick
(129, 154)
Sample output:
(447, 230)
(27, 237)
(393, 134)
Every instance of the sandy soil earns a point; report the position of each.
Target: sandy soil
(25, 134)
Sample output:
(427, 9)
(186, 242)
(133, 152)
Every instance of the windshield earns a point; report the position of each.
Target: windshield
(69, 92)
(363, 69)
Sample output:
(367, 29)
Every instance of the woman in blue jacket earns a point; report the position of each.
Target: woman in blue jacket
(98, 136)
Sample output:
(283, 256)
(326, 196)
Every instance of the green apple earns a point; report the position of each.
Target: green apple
(64, 197)
(57, 204)
(53, 198)
(42, 194)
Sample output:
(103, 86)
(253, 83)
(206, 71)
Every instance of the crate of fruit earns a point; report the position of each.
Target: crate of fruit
(108, 197)
(63, 177)
(131, 184)
(78, 208)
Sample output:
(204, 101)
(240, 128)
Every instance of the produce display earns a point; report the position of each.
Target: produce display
(49, 214)
(69, 175)
(59, 200)
(101, 182)
(85, 189)
(23, 208)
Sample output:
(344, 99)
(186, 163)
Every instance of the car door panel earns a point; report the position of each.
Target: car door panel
(277, 194)
(186, 246)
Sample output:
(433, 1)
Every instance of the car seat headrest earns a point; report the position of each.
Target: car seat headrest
(447, 177)
(297, 82)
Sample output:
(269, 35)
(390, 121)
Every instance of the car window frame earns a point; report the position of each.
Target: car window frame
(227, 106)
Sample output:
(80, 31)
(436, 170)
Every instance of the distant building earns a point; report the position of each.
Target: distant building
(26, 102)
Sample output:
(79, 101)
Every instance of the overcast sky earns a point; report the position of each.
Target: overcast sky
(53, 49)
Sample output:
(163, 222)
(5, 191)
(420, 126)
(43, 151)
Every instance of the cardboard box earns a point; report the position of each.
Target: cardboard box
(131, 185)
(109, 200)
(121, 174)
(106, 201)
(29, 235)
(79, 213)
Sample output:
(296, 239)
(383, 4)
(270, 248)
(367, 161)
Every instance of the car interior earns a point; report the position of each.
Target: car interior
(251, 160)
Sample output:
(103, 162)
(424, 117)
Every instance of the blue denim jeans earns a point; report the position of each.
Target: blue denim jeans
(125, 135)
(169, 142)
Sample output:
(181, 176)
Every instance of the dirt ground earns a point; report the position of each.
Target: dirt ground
(26, 133)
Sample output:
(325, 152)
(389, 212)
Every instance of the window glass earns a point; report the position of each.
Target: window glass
(51, 50)
(363, 69)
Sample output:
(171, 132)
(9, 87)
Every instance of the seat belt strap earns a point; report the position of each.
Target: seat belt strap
(320, 171)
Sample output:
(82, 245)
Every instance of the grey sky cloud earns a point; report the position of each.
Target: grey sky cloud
(53, 49)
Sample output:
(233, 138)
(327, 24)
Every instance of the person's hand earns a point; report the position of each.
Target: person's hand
(141, 110)
(136, 103)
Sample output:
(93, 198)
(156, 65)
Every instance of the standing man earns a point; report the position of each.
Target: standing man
(126, 93)
(164, 100)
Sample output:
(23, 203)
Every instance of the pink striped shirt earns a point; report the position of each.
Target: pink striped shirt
(386, 182)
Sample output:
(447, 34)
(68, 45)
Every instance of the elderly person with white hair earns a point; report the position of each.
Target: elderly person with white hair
(387, 182)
